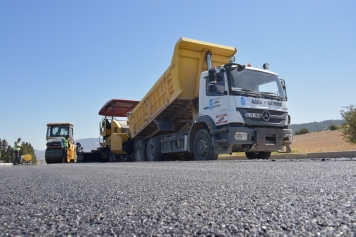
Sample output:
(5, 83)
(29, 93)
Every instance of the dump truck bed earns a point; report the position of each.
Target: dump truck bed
(172, 103)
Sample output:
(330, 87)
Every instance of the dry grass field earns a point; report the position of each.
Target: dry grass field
(320, 142)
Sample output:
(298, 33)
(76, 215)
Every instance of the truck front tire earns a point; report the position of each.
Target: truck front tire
(258, 155)
(141, 151)
(154, 150)
(202, 146)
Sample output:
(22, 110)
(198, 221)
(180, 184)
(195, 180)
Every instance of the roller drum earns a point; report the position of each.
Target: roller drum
(53, 156)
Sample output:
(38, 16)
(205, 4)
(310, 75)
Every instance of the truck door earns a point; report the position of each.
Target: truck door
(216, 97)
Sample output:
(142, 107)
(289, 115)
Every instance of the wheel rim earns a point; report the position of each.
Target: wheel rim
(151, 151)
(202, 147)
(139, 152)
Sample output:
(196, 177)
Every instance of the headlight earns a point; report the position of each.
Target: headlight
(241, 136)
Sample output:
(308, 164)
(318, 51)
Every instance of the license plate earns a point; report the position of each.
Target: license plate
(252, 115)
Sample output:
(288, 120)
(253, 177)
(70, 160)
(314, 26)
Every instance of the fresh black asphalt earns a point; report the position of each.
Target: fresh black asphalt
(214, 198)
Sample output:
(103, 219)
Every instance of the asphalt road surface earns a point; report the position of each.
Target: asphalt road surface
(217, 198)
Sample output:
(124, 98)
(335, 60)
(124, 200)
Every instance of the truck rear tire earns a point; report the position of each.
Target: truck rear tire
(166, 157)
(141, 150)
(154, 149)
(258, 155)
(202, 146)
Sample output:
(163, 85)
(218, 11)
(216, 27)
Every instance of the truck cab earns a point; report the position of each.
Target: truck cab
(250, 104)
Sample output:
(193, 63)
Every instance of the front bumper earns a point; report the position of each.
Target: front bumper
(259, 139)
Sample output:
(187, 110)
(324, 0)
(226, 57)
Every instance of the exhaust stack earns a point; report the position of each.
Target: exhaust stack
(208, 58)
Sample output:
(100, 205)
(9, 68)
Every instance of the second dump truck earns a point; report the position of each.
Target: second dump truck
(203, 105)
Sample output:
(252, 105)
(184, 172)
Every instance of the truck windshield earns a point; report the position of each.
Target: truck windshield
(57, 131)
(256, 84)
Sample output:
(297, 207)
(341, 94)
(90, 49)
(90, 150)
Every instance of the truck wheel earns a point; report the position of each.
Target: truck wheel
(202, 146)
(104, 152)
(264, 155)
(141, 151)
(165, 157)
(124, 158)
(258, 155)
(112, 157)
(154, 149)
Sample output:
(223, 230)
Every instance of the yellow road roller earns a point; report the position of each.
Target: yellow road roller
(55, 133)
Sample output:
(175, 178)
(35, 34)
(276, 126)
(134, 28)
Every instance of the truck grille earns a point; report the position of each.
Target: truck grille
(277, 118)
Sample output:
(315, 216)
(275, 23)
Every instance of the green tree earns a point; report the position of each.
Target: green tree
(1, 152)
(348, 128)
(31, 151)
(302, 131)
(34, 158)
(333, 127)
(4, 150)
(9, 155)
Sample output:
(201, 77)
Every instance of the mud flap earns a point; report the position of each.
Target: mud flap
(269, 139)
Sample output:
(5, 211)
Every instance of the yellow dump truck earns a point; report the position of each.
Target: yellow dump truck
(203, 105)
(55, 133)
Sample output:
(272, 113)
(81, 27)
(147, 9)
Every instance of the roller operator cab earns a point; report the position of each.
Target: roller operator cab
(55, 133)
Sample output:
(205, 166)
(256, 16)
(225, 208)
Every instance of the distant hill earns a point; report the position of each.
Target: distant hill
(316, 126)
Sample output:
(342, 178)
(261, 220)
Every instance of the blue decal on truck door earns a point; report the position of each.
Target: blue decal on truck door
(243, 101)
(211, 104)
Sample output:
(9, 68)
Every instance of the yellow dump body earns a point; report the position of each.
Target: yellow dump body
(173, 96)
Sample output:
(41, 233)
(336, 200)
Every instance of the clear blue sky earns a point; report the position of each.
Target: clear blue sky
(63, 60)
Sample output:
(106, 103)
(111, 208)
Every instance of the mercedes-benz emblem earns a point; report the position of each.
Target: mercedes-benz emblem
(265, 115)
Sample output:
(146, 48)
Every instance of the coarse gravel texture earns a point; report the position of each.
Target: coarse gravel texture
(213, 198)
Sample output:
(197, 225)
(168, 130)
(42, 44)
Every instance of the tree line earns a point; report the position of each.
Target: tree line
(7, 152)
(316, 126)
(301, 131)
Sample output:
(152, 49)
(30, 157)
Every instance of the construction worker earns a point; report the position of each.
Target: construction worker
(17, 147)
(65, 144)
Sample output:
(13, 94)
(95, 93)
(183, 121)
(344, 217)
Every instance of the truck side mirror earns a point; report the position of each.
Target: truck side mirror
(212, 75)
(283, 83)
